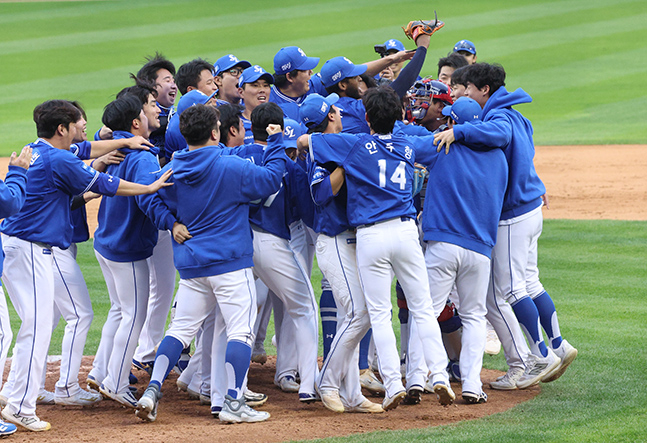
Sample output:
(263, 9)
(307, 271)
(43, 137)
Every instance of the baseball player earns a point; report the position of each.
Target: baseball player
(125, 238)
(515, 276)
(54, 177)
(215, 262)
(379, 167)
(339, 381)
(427, 98)
(227, 70)
(461, 212)
(12, 198)
(467, 49)
(447, 66)
(254, 88)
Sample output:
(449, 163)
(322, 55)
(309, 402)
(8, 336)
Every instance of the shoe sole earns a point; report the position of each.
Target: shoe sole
(108, 396)
(227, 417)
(546, 372)
(75, 403)
(93, 384)
(563, 366)
(505, 387)
(256, 403)
(444, 394)
(413, 397)
(395, 401)
(473, 399)
(10, 419)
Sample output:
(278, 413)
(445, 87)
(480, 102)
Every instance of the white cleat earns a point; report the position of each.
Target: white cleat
(567, 354)
(369, 381)
(492, 343)
(236, 411)
(538, 368)
(45, 398)
(31, 423)
(508, 381)
(444, 393)
(81, 398)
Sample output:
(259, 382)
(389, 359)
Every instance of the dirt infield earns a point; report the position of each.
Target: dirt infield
(583, 182)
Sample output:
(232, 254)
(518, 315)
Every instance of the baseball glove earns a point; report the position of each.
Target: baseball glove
(417, 27)
(420, 173)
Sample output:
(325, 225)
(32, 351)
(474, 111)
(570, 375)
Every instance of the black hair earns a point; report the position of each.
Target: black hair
(334, 89)
(148, 72)
(263, 115)
(383, 108)
(78, 106)
(189, 74)
(458, 77)
(119, 114)
(229, 116)
(369, 80)
(52, 113)
(197, 122)
(453, 60)
(481, 74)
(281, 80)
(321, 127)
(141, 90)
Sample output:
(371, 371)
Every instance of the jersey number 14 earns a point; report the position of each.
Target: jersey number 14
(399, 176)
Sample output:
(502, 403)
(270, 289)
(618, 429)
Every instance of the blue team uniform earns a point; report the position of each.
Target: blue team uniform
(55, 175)
(290, 105)
(329, 210)
(12, 195)
(80, 230)
(353, 116)
(249, 136)
(128, 226)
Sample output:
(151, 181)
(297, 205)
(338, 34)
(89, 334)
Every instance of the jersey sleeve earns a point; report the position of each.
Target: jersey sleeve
(425, 149)
(325, 148)
(13, 191)
(82, 150)
(75, 177)
(320, 186)
(491, 134)
(145, 171)
(258, 182)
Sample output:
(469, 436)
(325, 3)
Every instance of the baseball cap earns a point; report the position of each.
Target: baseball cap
(193, 97)
(338, 68)
(291, 132)
(465, 45)
(253, 73)
(291, 58)
(464, 110)
(315, 108)
(394, 44)
(227, 62)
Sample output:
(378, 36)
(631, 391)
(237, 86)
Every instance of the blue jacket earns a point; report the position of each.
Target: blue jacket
(128, 226)
(505, 128)
(212, 192)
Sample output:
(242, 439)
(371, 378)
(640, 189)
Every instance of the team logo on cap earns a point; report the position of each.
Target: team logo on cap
(391, 43)
(289, 131)
(233, 58)
(301, 52)
(336, 76)
(258, 68)
(324, 107)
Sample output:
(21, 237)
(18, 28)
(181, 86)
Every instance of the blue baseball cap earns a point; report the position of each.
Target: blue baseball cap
(464, 110)
(227, 62)
(465, 45)
(291, 58)
(291, 132)
(253, 73)
(315, 108)
(394, 44)
(193, 97)
(338, 68)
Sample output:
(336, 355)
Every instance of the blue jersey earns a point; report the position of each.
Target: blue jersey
(54, 177)
(290, 105)
(353, 116)
(128, 226)
(12, 196)
(80, 230)
(403, 129)
(379, 172)
(329, 210)
(219, 219)
(464, 198)
(249, 136)
(158, 136)
(174, 140)
(505, 128)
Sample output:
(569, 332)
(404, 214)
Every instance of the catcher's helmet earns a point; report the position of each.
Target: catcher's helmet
(424, 91)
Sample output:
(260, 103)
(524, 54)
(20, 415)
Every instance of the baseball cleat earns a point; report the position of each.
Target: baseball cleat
(444, 393)
(215, 411)
(414, 395)
(538, 368)
(144, 366)
(183, 362)
(393, 402)
(260, 358)
(331, 400)
(45, 398)
(132, 379)
(567, 353)
(193, 395)
(473, 398)
(492, 342)
(288, 384)
(306, 397)
(366, 407)
(81, 398)
(236, 411)
(93, 383)
(7, 428)
(508, 381)
(181, 386)
(147, 405)
(454, 371)
(369, 381)
(127, 398)
(254, 399)
(31, 423)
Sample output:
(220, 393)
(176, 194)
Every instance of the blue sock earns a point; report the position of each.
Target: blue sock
(168, 353)
(237, 358)
(548, 318)
(363, 350)
(528, 317)
(328, 319)
(451, 325)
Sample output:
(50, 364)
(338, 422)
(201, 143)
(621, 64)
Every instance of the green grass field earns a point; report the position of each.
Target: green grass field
(583, 61)
(595, 272)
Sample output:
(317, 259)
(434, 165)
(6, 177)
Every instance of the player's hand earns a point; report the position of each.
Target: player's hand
(105, 133)
(387, 73)
(160, 182)
(111, 158)
(273, 129)
(23, 159)
(445, 138)
(303, 143)
(138, 142)
(180, 233)
(544, 198)
(400, 56)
